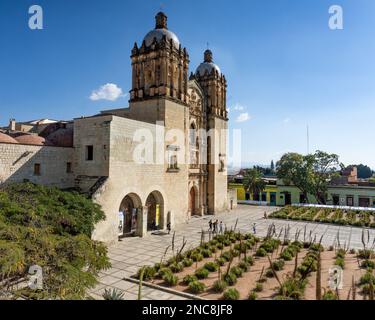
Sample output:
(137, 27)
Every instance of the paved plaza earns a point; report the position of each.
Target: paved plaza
(130, 254)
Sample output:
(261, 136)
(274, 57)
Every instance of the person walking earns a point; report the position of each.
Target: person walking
(265, 215)
(210, 226)
(169, 227)
(217, 226)
(221, 227)
(254, 228)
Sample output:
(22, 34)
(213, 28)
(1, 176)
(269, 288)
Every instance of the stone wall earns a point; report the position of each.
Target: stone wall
(17, 164)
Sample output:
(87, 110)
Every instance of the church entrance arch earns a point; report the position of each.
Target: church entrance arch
(155, 211)
(128, 215)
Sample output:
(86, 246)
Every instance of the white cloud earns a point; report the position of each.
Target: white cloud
(109, 91)
(286, 120)
(243, 117)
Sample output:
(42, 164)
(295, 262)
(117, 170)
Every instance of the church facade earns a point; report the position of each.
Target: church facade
(161, 160)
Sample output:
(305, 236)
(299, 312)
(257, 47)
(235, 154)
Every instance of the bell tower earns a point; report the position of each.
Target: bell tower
(160, 65)
(214, 85)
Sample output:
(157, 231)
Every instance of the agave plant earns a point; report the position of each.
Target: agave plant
(113, 294)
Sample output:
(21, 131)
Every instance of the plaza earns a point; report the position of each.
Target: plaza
(132, 253)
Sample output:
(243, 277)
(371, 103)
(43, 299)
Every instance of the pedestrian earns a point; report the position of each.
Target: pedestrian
(210, 225)
(169, 227)
(216, 226)
(265, 215)
(254, 228)
(221, 227)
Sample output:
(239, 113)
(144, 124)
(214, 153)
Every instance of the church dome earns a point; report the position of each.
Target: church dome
(4, 138)
(160, 31)
(33, 139)
(208, 65)
(62, 137)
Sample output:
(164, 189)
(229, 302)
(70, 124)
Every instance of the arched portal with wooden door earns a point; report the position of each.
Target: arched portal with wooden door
(130, 206)
(155, 211)
(194, 201)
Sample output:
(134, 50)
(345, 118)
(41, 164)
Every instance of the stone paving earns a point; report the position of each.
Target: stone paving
(130, 254)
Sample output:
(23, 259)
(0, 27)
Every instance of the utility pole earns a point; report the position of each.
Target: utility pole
(308, 140)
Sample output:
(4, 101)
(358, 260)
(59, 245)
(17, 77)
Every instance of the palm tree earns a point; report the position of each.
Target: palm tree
(253, 182)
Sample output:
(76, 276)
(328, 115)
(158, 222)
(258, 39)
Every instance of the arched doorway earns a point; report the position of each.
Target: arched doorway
(193, 201)
(128, 215)
(155, 213)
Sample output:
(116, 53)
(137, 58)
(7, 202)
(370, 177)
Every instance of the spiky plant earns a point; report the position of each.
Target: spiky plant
(113, 294)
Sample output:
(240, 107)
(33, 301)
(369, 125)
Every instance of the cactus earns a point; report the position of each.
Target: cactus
(354, 289)
(295, 265)
(319, 278)
(140, 284)
(274, 272)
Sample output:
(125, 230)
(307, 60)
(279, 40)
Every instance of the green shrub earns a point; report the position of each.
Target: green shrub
(148, 274)
(235, 253)
(211, 266)
(261, 252)
(176, 267)
(269, 273)
(340, 253)
(367, 278)
(237, 271)
(230, 279)
(189, 278)
(249, 260)
(219, 286)
(220, 246)
(368, 264)
(330, 295)
(187, 262)
(244, 266)
(202, 273)
(226, 255)
(287, 255)
(365, 254)
(340, 262)
(278, 265)
(221, 261)
(157, 267)
(253, 296)
(258, 287)
(163, 271)
(197, 287)
(196, 257)
(206, 253)
(231, 294)
(170, 279)
(293, 288)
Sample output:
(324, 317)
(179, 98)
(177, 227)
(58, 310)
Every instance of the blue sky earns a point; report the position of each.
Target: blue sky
(285, 67)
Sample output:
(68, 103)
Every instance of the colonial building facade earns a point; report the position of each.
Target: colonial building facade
(162, 159)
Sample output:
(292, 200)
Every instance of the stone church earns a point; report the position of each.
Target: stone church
(185, 118)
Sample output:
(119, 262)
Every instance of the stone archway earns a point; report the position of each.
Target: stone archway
(155, 211)
(130, 208)
(193, 201)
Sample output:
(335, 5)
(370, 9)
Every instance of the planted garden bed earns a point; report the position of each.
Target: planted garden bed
(238, 266)
(354, 218)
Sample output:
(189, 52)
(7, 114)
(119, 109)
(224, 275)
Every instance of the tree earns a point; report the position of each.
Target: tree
(364, 172)
(253, 182)
(311, 173)
(51, 229)
(272, 166)
(293, 169)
